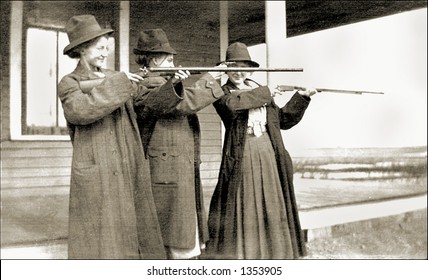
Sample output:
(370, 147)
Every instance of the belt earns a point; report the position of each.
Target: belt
(250, 130)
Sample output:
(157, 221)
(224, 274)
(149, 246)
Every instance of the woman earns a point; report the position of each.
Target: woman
(112, 212)
(253, 212)
(172, 143)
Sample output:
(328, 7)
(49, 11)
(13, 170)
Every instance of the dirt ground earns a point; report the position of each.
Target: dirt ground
(398, 237)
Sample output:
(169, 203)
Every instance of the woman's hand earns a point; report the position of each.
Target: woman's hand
(180, 76)
(134, 77)
(217, 75)
(274, 91)
(308, 92)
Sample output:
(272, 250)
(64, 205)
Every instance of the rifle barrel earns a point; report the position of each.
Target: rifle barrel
(347, 91)
(291, 88)
(220, 69)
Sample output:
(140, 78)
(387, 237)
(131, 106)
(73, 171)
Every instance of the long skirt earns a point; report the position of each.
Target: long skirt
(262, 227)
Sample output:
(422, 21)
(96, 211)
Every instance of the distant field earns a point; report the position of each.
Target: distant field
(362, 163)
(327, 177)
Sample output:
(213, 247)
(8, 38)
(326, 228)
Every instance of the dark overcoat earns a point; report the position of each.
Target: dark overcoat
(172, 143)
(233, 110)
(111, 213)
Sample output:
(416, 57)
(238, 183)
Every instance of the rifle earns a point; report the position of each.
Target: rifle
(87, 85)
(199, 70)
(282, 88)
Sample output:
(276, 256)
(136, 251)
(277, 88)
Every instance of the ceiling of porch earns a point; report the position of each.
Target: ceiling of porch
(247, 18)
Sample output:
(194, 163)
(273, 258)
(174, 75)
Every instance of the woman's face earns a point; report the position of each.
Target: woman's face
(162, 60)
(238, 78)
(95, 54)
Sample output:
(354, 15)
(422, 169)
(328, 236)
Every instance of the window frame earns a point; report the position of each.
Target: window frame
(25, 83)
(17, 88)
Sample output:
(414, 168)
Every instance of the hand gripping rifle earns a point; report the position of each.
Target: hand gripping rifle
(87, 85)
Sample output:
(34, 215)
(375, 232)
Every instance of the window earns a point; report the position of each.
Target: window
(45, 66)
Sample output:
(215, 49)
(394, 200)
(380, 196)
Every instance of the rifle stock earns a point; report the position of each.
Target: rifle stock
(282, 88)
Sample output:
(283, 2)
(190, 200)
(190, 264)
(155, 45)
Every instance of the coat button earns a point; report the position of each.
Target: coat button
(115, 173)
(111, 131)
(164, 154)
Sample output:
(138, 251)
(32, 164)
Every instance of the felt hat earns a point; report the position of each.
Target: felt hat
(238, 52)
(153, 41)
(81, 29)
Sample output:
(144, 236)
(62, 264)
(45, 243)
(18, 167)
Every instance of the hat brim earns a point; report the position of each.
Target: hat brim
(86, 38)
(166, 49)
(250, 62)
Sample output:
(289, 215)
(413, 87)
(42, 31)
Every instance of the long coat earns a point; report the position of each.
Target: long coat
(172, 143)
(111, 213)
(233, 110)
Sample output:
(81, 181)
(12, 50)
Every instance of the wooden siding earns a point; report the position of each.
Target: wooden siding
(35, 180)
(195, 47)
(210, 145)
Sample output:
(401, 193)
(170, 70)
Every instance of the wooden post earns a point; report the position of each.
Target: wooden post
(275, 30)
(224, 43)
(15, 62)
(224, 32)
(124, 36)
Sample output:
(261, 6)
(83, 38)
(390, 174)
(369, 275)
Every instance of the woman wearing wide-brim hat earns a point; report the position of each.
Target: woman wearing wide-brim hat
(253, 211)
(172, 142)
(111, 213)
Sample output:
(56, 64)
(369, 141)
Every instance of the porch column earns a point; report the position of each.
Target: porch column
(224, 43)
(124, 36)
(15, 63)
(275, 30)
(224, 33)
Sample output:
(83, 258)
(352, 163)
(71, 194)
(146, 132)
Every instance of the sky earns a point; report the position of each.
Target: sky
(387, 54)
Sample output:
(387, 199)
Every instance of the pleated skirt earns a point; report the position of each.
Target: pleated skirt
(262, 226)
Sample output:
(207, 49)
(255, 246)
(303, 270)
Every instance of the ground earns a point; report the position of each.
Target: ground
(398, 237)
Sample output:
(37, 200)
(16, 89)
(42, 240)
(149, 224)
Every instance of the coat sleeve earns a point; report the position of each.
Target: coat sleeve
(293, 111)
(156, 96)
(236, 102)
(84, 108)
(201, 94)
